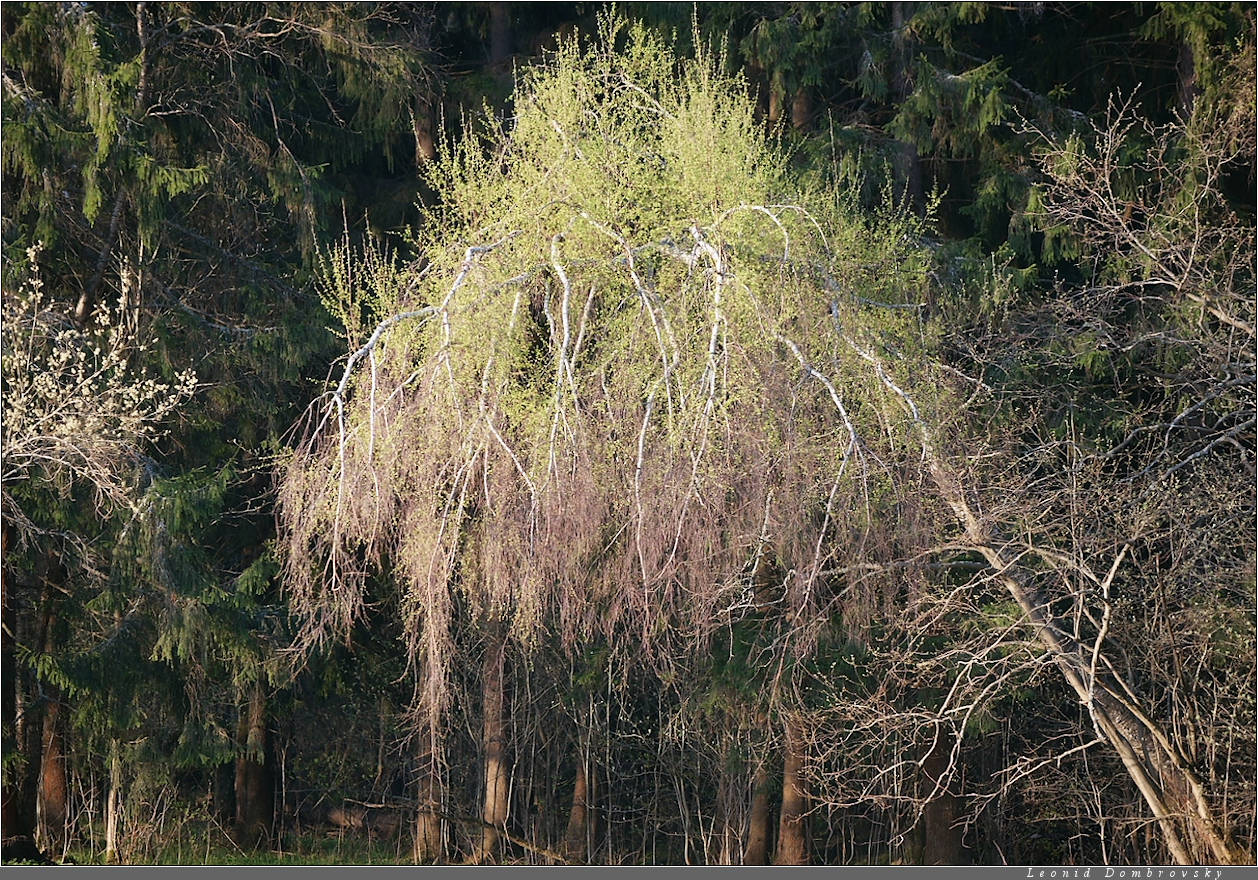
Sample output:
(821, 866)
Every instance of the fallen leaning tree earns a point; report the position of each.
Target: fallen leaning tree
(1175, 793)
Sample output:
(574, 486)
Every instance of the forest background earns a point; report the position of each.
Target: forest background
(705, 434)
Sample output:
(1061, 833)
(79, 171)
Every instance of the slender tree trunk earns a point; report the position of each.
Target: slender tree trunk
(10, 798)
(757, 851)
(18, 798)
(801, 108)
(775, 104)
(940, 841)
(792, 848)
(223, 798)
(53, 788)
(428, 794)
(1186, 67)
(756, 75)
(908, 163)
(113, 803)
(575, 838)
(9, 795)
(499, 35)
(28, 705)
(494, 813)
(255, 796)
(241, 784)
(424, 123)
(52, 775)
(24, 797)
(579, 839)
(1176, 795)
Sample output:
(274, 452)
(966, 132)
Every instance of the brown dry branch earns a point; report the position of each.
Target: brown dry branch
(1174, 791)
(1163, 220)
(1117, 560)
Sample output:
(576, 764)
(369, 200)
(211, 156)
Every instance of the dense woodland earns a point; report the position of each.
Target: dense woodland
(662, 434)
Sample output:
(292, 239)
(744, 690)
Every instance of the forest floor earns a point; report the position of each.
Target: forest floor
(203, 844)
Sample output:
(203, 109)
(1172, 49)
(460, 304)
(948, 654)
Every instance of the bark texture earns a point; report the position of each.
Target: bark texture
(428, 794)
(792, 848)
(255, 797)
(494, 813)
(53, 784)
(580, 830)
(801, 109)
(113, 804)
(757, 851)
(424, 124)
(940, 837)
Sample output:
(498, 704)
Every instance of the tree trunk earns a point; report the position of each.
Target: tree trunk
(792, 848)
(499, 36)
(428, 794)
(775, 104)
(494, 813)
(25, 704)
(113, 803)
(579, 839)
(801, 108)
(756, 75)
(22, 800)
(223, 797)
(1186, 68)
(908, 163)
(10, 796)
(940, 841)
(255, 797)
(1175, 793)
(757, 851)
(53, 788)
(424, 123)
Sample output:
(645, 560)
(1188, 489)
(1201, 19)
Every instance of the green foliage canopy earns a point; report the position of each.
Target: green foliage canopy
(623, 377)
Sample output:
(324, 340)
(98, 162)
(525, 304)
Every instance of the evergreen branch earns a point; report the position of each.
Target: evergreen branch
(252, 266)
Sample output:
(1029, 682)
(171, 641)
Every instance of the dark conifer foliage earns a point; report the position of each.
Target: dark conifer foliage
(770, 433)
(178, 164)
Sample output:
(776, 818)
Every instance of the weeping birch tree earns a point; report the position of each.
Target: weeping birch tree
(606, 400)
(641, 384)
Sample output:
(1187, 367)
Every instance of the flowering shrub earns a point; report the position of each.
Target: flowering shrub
(77, 405)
